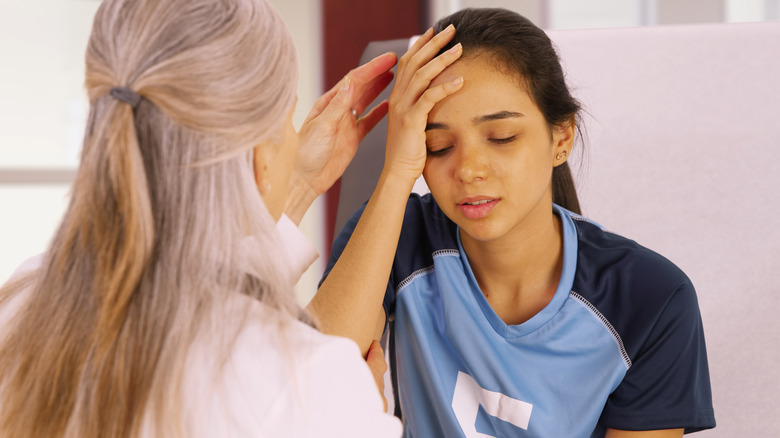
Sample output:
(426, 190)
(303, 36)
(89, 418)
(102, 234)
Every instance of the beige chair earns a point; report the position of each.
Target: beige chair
(681, 154)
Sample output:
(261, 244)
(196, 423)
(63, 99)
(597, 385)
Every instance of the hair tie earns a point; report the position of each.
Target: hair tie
(126, 95)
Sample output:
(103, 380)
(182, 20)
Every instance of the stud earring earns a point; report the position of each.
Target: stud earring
(561, 155)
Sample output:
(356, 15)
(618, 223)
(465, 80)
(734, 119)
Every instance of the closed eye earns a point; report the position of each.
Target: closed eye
(502, 140)
(439, 152)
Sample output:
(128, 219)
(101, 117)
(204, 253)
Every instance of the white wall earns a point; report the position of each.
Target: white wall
(579, 14)
(690, 173)
(42, 45)
(534, 10)
(42, 114)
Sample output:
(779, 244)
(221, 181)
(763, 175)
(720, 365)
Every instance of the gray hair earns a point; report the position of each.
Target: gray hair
(153, 240)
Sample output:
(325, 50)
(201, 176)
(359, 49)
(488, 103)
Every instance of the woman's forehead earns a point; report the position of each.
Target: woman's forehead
(487, 89)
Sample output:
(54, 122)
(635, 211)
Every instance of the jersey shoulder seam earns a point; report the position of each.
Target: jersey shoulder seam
(426, 270)
(605, 322)
(408, 280)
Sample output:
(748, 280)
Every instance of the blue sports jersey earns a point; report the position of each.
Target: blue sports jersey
(620, 345)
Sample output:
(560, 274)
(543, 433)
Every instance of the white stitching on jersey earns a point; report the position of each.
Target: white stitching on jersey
(411, 278)
(576, 217)
(606, 323)
(446, 252)
(424, 271)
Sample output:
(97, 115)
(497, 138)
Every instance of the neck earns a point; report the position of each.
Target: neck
(519, 272)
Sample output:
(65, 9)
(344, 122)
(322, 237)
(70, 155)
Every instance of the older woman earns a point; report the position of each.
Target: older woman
(163, 306)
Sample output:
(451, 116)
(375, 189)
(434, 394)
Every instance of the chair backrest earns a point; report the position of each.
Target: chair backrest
(680, 154)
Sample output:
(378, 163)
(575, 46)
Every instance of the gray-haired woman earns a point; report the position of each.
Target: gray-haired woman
(164, 304)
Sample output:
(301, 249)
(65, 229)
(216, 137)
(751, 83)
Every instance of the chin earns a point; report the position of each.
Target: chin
(480, 233)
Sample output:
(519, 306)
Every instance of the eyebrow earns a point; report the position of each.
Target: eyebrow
(497, 116)
(477, 120)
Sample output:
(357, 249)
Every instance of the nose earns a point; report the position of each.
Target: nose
(471, 165)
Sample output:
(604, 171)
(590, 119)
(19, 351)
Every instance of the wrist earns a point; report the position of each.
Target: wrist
(401, 178)
(299, 199)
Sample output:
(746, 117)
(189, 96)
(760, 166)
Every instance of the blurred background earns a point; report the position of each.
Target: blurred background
(43, 106)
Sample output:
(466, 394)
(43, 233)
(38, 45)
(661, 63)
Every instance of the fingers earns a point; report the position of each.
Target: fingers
(424, 75)
(364, 83)
(424, 38)
(322, 103)
(376, 358)
(369, 79)
(421, 52)
(369, 71)
(434, 95)
(371, 92)
(370, 120)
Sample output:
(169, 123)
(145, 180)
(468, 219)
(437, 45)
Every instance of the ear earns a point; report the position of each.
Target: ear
(563, 141)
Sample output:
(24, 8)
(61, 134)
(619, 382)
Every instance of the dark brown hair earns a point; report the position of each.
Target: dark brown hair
(524, 49)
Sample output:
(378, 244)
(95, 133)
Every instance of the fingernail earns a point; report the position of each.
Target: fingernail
(456, 48)
(450, 28)
(457, 81)
(347, 84)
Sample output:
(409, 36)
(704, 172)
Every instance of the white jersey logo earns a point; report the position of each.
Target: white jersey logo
(469, 395)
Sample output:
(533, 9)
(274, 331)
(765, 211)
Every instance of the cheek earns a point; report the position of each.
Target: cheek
(435, 175)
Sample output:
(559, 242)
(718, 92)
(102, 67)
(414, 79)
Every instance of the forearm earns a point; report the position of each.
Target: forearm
(349, 302)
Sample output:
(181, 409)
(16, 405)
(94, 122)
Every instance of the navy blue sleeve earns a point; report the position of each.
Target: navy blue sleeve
(668, 383)
(340, 242)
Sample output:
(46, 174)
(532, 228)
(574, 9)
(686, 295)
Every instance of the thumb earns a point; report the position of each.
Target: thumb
(376, 357)
(376, 362)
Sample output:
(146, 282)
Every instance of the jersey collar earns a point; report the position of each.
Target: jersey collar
(561, 293)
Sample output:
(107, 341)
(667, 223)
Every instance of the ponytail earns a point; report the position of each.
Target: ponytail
(118, 217)
(564, 191)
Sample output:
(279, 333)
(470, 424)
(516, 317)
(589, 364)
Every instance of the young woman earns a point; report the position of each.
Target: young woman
(511, 314)
(164, 306)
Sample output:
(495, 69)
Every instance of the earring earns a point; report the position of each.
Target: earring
(561, 155)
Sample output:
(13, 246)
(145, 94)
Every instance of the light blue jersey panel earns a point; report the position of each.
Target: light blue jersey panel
(464, 373)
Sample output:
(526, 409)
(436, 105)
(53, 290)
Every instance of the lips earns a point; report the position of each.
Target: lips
(477, 208)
